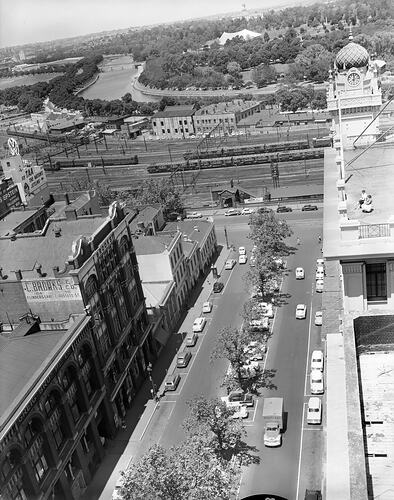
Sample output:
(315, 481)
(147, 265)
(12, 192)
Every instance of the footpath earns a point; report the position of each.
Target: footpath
(134, 440)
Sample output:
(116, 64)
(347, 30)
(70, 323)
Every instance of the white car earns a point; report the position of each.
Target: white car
(319, 286)
(232, 211)
(320, 263)
(242, 259)
(207, 307)
(240, 412)
(257, 325)
(301, 311)
(300, 273)
(247, 211)
(198, 325)
(194, 215)
(230, 263)
(317, 360)
(317, 383)
(320, 273)
(313, 414)
(267, 309)
(319, 318)
(242, 251)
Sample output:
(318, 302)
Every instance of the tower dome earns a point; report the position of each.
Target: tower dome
(352, 55)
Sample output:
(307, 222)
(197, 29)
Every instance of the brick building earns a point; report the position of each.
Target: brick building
(175, 122)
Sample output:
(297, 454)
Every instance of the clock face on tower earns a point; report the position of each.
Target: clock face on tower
(353, 79)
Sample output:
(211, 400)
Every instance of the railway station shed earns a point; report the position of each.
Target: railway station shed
(231, 196)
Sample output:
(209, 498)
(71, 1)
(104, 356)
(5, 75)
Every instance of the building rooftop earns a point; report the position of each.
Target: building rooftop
(174, 111)
(155, 292)
(149, 245)
(12, 220)
(26, 251)
(226, 107)
(146, 215)
(195, 230)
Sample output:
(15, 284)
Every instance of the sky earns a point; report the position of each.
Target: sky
(29, 21)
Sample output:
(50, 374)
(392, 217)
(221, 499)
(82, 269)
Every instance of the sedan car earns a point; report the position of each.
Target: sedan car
(301, 311)
(320, 263)
(230, 263)
(320, 273)
(240, 412)
(242, 251)
(218, 287)
(300, 273)
(172, 382)
(317, 360)
(313, 414)
(207, 307)
(242, 259)
(198, 325)
(318, 318)
(191, 339)
(265, 210)
(247, 211)
(282, 209)
(308, 208)
(317, 383)
(319, 286)
(232, 211)
(183, 359)
(194, 215)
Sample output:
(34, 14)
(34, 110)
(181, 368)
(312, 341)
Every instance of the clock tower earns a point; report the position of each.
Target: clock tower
(354, 97)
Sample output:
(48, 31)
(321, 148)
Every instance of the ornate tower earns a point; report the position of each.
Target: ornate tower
(354, 97)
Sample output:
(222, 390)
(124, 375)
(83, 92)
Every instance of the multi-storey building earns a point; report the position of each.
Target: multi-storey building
(174, 122)
(71, 267)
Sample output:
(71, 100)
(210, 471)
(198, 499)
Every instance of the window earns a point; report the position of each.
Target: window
(186, 130)
(376, 281)
(185, 122)
(162, 124)
(180, 122)
(168, 130)
(154, 124)
(163, 131)
(176, 130)
(38, 459)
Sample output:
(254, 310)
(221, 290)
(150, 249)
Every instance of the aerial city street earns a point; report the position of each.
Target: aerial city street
(196, 250)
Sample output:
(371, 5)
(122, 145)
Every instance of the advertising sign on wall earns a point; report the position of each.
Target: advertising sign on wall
(9, 198)
(51, 290)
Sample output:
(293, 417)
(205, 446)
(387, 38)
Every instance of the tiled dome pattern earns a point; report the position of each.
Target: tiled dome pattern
(352, 55)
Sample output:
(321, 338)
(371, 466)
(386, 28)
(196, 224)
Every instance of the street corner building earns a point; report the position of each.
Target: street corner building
(75, 344)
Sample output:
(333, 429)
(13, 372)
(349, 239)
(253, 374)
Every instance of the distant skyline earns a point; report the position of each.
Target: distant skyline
(30, 21)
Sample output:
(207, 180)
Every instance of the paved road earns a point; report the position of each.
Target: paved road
(288, 355)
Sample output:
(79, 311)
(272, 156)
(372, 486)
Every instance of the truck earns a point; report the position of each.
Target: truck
(273, 421)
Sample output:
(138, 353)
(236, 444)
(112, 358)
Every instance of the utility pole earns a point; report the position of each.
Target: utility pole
(226, 236)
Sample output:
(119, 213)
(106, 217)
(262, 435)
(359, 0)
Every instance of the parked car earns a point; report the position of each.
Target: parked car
(172, 382)
(317, 383)
(313, 414)
(258, 325)
(264, 210)
(207, 307)
(320, 263)
(247, 211)
(301, 311)
(317, 360)
(230, 263)
(308, 208)
(194, 215)
(191, 339)
(218, 287)
(242, 259)
(232, 211)
(300, 273)
(242, 251)
(198, 325)
(320, 273)
(318, 318)
(283, 208)
(240, 412)
(319, 286)
(313, 495)
(183, 359)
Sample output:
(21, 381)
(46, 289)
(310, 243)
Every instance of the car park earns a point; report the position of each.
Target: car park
(207, 307)
(301, 311)
(191, 339)
(198, 325)
(194, 215)
(247, 211)
(183, 359)
(317, 360)
(172, 382)
(313, 414)
(283, 208)
(308, 208)
(218, 287)
(230, 263)
(317, 383)
(232, 211)
(242, 259)
(242, 251)
(319, 286)
(319, 273)
(300, 273)
(318, 318)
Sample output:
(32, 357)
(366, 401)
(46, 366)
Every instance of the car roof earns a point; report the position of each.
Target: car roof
(301, 306)
(314, 402)
(317, 351)
(316, 373)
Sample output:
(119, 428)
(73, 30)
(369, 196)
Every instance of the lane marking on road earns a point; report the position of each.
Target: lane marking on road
(168, 419)
(305, 383)
(150, 418)
(317, 428)
(255, 410)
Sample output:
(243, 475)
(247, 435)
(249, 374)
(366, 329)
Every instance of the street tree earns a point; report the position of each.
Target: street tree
(190, 470)
(212, 420)
(263, 74)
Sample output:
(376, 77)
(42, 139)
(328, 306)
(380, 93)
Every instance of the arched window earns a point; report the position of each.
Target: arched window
(11, 474)
(91, 287)
(34, 442)
(87, 369)
(124, 246)
(55, 415)
(69, 381)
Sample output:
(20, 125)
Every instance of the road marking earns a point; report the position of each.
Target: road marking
(255, 410)
(150, 418)
(303, 406)
(316, 428)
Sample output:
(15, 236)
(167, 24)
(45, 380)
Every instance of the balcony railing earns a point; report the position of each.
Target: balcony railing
(374, 230)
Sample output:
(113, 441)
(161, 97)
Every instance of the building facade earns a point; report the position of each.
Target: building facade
(174, 122)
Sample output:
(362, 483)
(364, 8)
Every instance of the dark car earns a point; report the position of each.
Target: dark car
(183, 359)
(218, 287)
(264, 210)
(283, 209)
(313, 495)
(307, 208)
